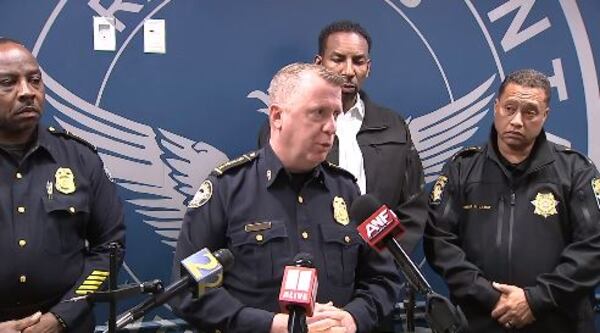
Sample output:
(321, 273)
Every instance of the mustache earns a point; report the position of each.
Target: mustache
(28, 107)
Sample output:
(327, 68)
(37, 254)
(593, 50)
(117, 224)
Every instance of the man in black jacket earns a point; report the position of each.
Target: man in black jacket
(515, 224)
(372, 142)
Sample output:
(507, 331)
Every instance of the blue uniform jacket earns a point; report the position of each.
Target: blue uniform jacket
(51, 203)
(253, 211)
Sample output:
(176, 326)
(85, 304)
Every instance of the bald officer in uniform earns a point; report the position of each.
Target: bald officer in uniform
(58, 210)
(269, 205)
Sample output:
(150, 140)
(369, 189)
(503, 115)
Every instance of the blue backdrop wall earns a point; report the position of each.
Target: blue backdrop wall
(163, 121)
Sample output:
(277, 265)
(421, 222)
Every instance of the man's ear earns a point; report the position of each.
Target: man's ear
(496, 106)
(275, 112)
(546, 113)
(318, 60)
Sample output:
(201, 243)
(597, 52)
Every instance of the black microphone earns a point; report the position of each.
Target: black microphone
(201, 270)
(298, 292)
(124, 291)
(379, 228)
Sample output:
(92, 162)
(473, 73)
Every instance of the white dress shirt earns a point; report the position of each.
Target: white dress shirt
(351, 159)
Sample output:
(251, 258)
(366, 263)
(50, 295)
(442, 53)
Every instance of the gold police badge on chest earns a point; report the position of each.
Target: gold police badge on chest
(64, 181)
(340, 211)
(545, 204)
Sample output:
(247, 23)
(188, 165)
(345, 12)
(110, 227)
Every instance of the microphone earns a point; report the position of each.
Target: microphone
(379, 228)
(124, 291)
(298, 292)
(201, 270)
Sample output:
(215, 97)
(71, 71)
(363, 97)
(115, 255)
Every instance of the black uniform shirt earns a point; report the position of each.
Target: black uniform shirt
(51, 202)
(251, 207)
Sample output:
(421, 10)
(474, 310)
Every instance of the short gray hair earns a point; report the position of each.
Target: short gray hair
(529, 78)
(286, 80)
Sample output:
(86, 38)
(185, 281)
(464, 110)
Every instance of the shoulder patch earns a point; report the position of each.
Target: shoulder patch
(202, 196)
(339, 169)
(232, 164)
(437, 191)
(568, 150)
(467, 152)
(69, 135)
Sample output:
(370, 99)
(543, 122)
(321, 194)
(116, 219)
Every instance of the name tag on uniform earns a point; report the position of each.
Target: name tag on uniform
(477, 206)
(257, 226)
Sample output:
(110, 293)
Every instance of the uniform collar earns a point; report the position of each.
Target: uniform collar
(42, 143)
(272, 170)
(372, 120)
(45, 140)
(540, 155)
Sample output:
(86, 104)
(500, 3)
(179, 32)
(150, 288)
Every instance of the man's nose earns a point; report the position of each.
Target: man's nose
(348, 69)
(517, 119)
(330, 126)
(25, 92)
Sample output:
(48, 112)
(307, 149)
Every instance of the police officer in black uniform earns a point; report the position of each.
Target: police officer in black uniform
(515, 226)
(58, 209)
(269, 205)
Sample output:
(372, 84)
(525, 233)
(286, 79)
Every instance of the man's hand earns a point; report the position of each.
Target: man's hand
(279, 324)
(47, 324)
(16, 326)
(512, 310)
(330, 319)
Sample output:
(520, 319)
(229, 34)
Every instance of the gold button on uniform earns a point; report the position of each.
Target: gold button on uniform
(21, 209)
(72, 210)
(19, 175)
(305, 235)
(22, 242)
(259, 238)
(347, 239)
(300, 199)
(22, 279)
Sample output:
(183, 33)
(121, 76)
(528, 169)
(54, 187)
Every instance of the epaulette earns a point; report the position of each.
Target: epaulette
(69, 135)
(569, 150)
(467, 152)
(339, 169)
(221, 169)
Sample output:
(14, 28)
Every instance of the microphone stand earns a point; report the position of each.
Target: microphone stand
(112, 273)
(415, 279)
(297, 320)
(442, 316)
(409, 308)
